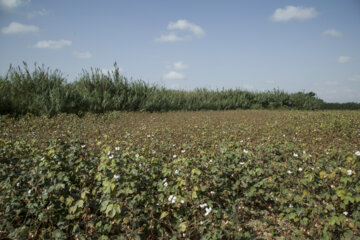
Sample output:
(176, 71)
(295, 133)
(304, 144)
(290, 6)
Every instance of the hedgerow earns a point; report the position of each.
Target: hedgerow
(42, 91)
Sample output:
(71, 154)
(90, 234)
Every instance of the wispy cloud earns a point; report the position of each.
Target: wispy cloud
(344, 59)
(51, 44)
(187, 26)
(10, 4)
(180, 65)
(173, 76)
(355, 78)
(293, 13)
(332, 83)
(171, 37)
(82, 55)
(16, 28)
(332, 33)
(39, 13)
(176, 28)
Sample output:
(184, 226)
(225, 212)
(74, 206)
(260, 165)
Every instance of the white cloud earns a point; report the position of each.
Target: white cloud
(40, 13)
(82, 55)
(53, 44)
(181, 25)
(187, 26)
(10, 4)
(293, 13)
(15, 28)
(332, 33)
(344, 59)
(171, 37)
(180, 65)
(173, 76)
(355, 78)
(332, 83)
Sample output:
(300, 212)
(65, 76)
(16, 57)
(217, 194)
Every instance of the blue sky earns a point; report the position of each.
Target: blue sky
(256, 45)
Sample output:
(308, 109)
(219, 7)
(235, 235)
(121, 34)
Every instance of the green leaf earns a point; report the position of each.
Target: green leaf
(194, 195)
(112, 209)
(69, 201)
(108, 186)
(80, 203)
(195, 171)
(182, 227)
(58, 234)
(104, 205)
(164, 214)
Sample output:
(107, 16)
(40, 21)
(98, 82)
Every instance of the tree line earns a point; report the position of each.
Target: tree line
(45, 91)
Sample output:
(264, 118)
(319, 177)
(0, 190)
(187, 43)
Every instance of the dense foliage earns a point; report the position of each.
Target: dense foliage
(209, 175)
(43, 91)
(337, 106)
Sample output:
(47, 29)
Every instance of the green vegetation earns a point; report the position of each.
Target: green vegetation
(44, 91)
(181, 175)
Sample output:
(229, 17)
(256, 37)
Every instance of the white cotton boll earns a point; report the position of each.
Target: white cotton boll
(177, 172)
(242, 163)
(207, 211)
(116, 176)
(183, 151)
(117, 148)
(245, 151)
(182, 201)
(172, 199)
(289, 172)
(300, 169)
(137, 155)
(165, 184)
(345, 213)
(203, 205)
(295, 155)
(174, 156)
(349, 172)
(357, 153)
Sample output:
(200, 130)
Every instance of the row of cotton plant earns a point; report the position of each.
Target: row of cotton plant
(68, 191)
